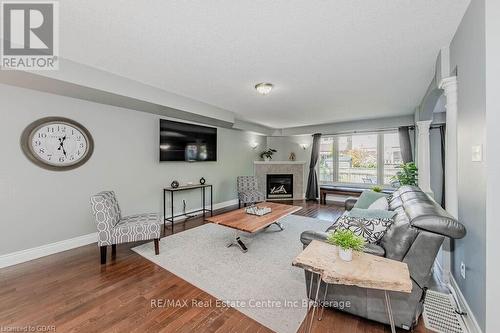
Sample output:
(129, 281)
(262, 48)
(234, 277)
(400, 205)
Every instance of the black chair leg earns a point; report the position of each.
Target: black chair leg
(103, 254)
(239, 203)
(113, 250)
(157, 246)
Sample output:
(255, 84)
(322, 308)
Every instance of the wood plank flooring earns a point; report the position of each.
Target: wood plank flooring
(72, 292)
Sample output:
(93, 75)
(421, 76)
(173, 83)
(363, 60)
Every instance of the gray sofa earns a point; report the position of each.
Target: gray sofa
(419, 229)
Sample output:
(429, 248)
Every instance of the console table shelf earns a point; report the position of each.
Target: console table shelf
(173, 190)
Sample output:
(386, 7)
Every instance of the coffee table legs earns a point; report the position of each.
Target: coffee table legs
(238, 242)
(281, 226)
(389, 311)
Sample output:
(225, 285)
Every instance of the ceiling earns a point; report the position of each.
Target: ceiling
(330, 61)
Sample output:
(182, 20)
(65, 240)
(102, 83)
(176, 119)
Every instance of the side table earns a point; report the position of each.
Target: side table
(365, 270)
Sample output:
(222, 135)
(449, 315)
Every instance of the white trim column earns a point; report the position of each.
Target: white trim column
(450, 87)
(424, 155)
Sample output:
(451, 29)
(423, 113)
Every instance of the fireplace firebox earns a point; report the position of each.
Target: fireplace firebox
(279, 186)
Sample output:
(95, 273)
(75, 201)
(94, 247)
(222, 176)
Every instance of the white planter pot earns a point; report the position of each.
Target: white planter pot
(345, 255)
(266, 159)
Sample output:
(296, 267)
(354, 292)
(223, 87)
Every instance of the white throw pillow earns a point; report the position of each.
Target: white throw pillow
(380, 203)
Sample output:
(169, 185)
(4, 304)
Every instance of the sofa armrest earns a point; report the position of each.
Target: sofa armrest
(350, 202)
(308, 236)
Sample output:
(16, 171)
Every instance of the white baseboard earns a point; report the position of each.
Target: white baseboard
(18, 257)
(470, 319)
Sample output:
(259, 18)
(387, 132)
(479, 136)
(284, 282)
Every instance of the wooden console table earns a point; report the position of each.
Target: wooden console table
(173, 190)
(365, 270)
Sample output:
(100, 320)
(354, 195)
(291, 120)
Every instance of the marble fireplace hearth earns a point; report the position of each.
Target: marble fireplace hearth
(295, 168)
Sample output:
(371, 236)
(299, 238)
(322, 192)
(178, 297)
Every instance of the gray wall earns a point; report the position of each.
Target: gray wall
(467, 52)
(41, 207)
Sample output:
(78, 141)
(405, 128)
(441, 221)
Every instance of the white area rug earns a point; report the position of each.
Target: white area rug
(262, 281)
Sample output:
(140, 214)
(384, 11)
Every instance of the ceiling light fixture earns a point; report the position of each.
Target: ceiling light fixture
(264, 88)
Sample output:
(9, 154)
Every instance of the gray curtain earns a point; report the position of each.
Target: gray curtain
(405, 144)
(442, 131)
(312, 181)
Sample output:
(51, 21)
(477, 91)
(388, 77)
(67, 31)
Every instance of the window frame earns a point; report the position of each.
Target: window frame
(380, 159)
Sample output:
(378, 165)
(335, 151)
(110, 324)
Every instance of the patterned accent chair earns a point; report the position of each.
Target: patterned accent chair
(248, 191)
(114, 229)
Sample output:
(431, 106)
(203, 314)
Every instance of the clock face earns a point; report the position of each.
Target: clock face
(57, 143)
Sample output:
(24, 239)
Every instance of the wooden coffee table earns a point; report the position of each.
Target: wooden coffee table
(243, 222)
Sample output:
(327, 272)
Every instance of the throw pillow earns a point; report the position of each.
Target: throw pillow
(367, 198)
(371, 229)
(372, 213)
(380, 204)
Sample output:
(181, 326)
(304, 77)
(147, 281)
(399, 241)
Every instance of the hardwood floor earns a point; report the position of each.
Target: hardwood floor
(72, 292)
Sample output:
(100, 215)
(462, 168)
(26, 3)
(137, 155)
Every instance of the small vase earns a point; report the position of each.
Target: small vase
(267, 159)
(345, 255)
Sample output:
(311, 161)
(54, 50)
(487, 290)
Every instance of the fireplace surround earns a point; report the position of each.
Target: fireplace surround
(295, 168)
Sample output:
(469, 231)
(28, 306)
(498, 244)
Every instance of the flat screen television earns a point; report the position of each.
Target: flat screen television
(187, 142)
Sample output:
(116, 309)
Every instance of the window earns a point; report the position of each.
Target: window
(392, 156)
(355, 159)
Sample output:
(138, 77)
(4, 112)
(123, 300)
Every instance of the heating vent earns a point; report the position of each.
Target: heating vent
(440, 315)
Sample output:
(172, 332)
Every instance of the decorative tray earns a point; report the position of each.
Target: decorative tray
(259, 211)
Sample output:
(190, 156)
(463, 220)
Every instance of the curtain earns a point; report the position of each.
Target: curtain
(405, 144)
(442, 131)
(312, 181)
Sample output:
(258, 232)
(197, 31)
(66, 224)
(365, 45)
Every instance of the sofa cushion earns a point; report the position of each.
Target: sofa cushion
(371, 229)
(374, 249)
(372, 213)
(367, 198)
(398, 239)
(380, 203)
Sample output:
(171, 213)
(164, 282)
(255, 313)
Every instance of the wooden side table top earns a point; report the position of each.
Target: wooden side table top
(240, 220)
(365, 270)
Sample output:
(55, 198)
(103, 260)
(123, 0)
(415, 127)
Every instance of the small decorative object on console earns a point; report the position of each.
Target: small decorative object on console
(202, 181)
(175, 184)
(292, 156)
(259, 211)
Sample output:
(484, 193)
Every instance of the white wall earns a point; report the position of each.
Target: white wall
(41, 207)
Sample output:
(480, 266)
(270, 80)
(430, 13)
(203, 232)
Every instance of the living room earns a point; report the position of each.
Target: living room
(249, 166)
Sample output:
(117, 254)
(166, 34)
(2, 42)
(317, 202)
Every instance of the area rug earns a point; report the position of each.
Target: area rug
(260, 283)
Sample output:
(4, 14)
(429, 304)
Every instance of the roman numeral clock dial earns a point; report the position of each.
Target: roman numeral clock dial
(57, 143)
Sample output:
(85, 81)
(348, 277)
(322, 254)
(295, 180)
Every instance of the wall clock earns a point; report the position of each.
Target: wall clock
(57, 143)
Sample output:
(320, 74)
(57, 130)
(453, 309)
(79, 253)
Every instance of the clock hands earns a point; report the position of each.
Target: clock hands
(61, 144)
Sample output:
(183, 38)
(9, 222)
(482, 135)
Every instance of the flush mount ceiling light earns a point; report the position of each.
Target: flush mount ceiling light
(264, 88)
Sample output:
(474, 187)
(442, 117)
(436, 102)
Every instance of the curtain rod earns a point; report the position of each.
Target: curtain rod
(390, 129)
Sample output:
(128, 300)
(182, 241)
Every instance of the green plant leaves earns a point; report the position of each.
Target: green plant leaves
(408, 175)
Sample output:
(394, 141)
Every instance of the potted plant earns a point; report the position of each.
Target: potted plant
(408, 175)
(267, 154)
(377, 189)
(346, 241)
